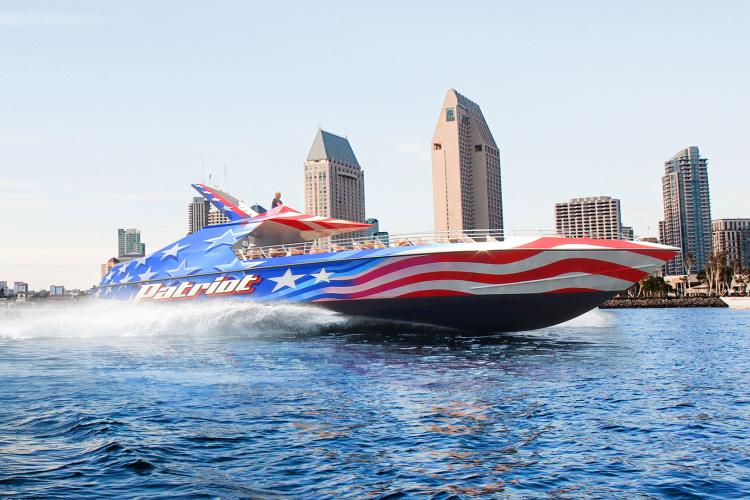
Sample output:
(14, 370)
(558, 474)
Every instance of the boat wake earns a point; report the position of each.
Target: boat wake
(113, 319)
(216, 318)
(595, 318)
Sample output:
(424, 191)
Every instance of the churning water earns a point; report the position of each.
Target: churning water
(244, 400)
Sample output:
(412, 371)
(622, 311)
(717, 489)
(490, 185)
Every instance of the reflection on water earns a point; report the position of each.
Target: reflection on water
(236, 400)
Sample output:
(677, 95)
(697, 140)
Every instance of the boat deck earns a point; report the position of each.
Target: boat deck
(329, 245)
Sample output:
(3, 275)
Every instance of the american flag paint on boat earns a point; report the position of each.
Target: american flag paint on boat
(472, 282)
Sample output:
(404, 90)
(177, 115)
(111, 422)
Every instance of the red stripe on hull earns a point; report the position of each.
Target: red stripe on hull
(664, 255)
(496, 257)
(588, 266)
(433, 293)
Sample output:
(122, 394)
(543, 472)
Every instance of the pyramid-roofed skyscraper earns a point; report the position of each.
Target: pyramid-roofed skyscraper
(467, 187)
(334, 180)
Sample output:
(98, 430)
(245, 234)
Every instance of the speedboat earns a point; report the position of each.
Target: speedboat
(474, 281)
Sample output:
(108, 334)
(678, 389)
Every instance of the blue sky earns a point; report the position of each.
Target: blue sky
(108, 109)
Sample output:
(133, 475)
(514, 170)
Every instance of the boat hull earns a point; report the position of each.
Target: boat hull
(477, 314)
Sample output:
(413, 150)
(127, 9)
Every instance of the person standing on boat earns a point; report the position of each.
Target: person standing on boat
(276, 200)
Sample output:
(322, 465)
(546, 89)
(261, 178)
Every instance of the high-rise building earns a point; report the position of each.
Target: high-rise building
(198, 214)
(334, 180)
(216, 216)
(593, 217)
(129, 243)
(732, 237)
(466, 185)
(687, 210)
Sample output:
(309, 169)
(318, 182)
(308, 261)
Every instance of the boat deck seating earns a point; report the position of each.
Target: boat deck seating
(320, 246)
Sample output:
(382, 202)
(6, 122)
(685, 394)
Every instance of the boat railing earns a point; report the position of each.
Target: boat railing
(341, 243)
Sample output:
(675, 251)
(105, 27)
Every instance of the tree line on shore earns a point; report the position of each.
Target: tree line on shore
(721, 276)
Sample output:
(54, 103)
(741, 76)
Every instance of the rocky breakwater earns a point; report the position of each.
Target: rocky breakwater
(642, 302)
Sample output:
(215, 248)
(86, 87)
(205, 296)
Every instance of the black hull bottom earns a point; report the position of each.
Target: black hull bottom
(478, 313)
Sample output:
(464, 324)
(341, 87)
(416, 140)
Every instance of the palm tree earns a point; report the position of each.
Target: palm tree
(687, 263)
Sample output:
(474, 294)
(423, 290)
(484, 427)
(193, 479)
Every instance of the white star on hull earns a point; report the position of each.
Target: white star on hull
(147, 275)
(322, 275)
(172, 251)
(237, 265)
(182, 270)
(286, 280)
(141, 261)
(228, 238)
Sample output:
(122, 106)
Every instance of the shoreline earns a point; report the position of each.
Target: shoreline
(661, 302)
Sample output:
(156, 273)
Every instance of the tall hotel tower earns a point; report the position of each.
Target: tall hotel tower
(687, 210)
(467, 192)
(334, 180)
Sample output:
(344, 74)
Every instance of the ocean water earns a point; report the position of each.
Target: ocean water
(235, 400)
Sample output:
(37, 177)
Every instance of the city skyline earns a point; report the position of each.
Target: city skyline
(96, 118)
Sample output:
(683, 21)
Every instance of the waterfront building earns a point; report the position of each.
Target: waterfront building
(596, 217)
(198, 214)
(129, 243)
(334, 179)
(370, 231)
(626, 233)
(216, 216)
(466, 180)
(4, 288)
(687, 210)
(374, 232)
(21, 290)
(383, 236)
(732, 237)
(56, 290)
